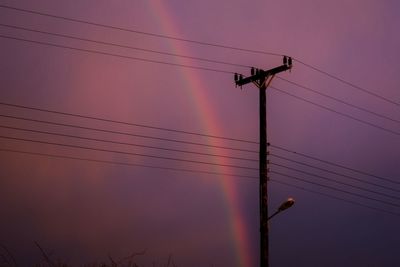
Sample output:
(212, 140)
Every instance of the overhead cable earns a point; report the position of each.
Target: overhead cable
(125, 163)
(336, 173)
(200, 43)
(125, 143)
(125, 153)
(348, 83)
(91, 51)
(138, 32)
(127, 133)
(335, 164)
(337, 112)
(200, 68)
(334, 197)
(340, 100)
(336, 181)
(254, 178)
(337, 189)
(124, 46)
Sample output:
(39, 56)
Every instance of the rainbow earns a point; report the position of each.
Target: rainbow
(194, 86)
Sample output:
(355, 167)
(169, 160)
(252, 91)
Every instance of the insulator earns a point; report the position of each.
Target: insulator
(257, 71)
(290, 61)
(252, 71)
(236, 77)
(285, 60)
(240, 77)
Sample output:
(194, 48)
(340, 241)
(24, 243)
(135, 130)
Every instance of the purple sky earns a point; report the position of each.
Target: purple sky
(85, 211)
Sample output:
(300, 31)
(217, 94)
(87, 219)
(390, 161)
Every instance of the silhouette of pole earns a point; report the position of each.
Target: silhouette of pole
(262, 79)
(264, 237)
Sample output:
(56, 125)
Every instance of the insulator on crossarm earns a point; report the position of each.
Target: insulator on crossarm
(252, 71)
(290, 62)
(236, 77)
(285, 60)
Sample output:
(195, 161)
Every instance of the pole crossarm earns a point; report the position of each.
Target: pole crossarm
(261, 75)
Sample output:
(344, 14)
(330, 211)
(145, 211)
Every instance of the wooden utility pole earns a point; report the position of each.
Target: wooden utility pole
(261, 79)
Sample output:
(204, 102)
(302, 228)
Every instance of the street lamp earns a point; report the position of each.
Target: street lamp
(285, 205)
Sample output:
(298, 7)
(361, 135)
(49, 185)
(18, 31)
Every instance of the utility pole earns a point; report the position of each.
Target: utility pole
(262, 79)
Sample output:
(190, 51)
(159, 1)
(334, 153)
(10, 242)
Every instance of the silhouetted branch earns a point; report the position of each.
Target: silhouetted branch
(9, 257)
(45, 256)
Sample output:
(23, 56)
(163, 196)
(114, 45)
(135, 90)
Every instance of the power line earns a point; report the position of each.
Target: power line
(339, 100)
(127, 134)
(334, 197)
(190, 171)
(172, 140)
(140, 32)
(126, 123)
(125, 46)
(200, 68)
(336, 181)
(201, 43)
(126, 153)
(125, 163)
(348, 83)
(115, 55)
(337, 112)
(126, 143)
(336, 173)
(336, 189)
(336, 164)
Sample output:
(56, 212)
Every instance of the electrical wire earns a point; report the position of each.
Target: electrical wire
(336, 189)
(336, 173)
(189, 171)
(126, 133)
(125, 46)
(125, 123)
(228, 47)
(335, 164)
(348, 83)
(200, 68)
(126, 153)
(102, 140)
(125, 143)
(139, 32)
(340, 101)
(201, 43)
(337, 112)
(179, 131)
(174, 130)
(336, 181)
(334, 197)
(197, 153)
(125, 163)
(115, 55)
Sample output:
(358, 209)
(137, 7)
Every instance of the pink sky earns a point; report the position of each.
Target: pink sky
(84, 211)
